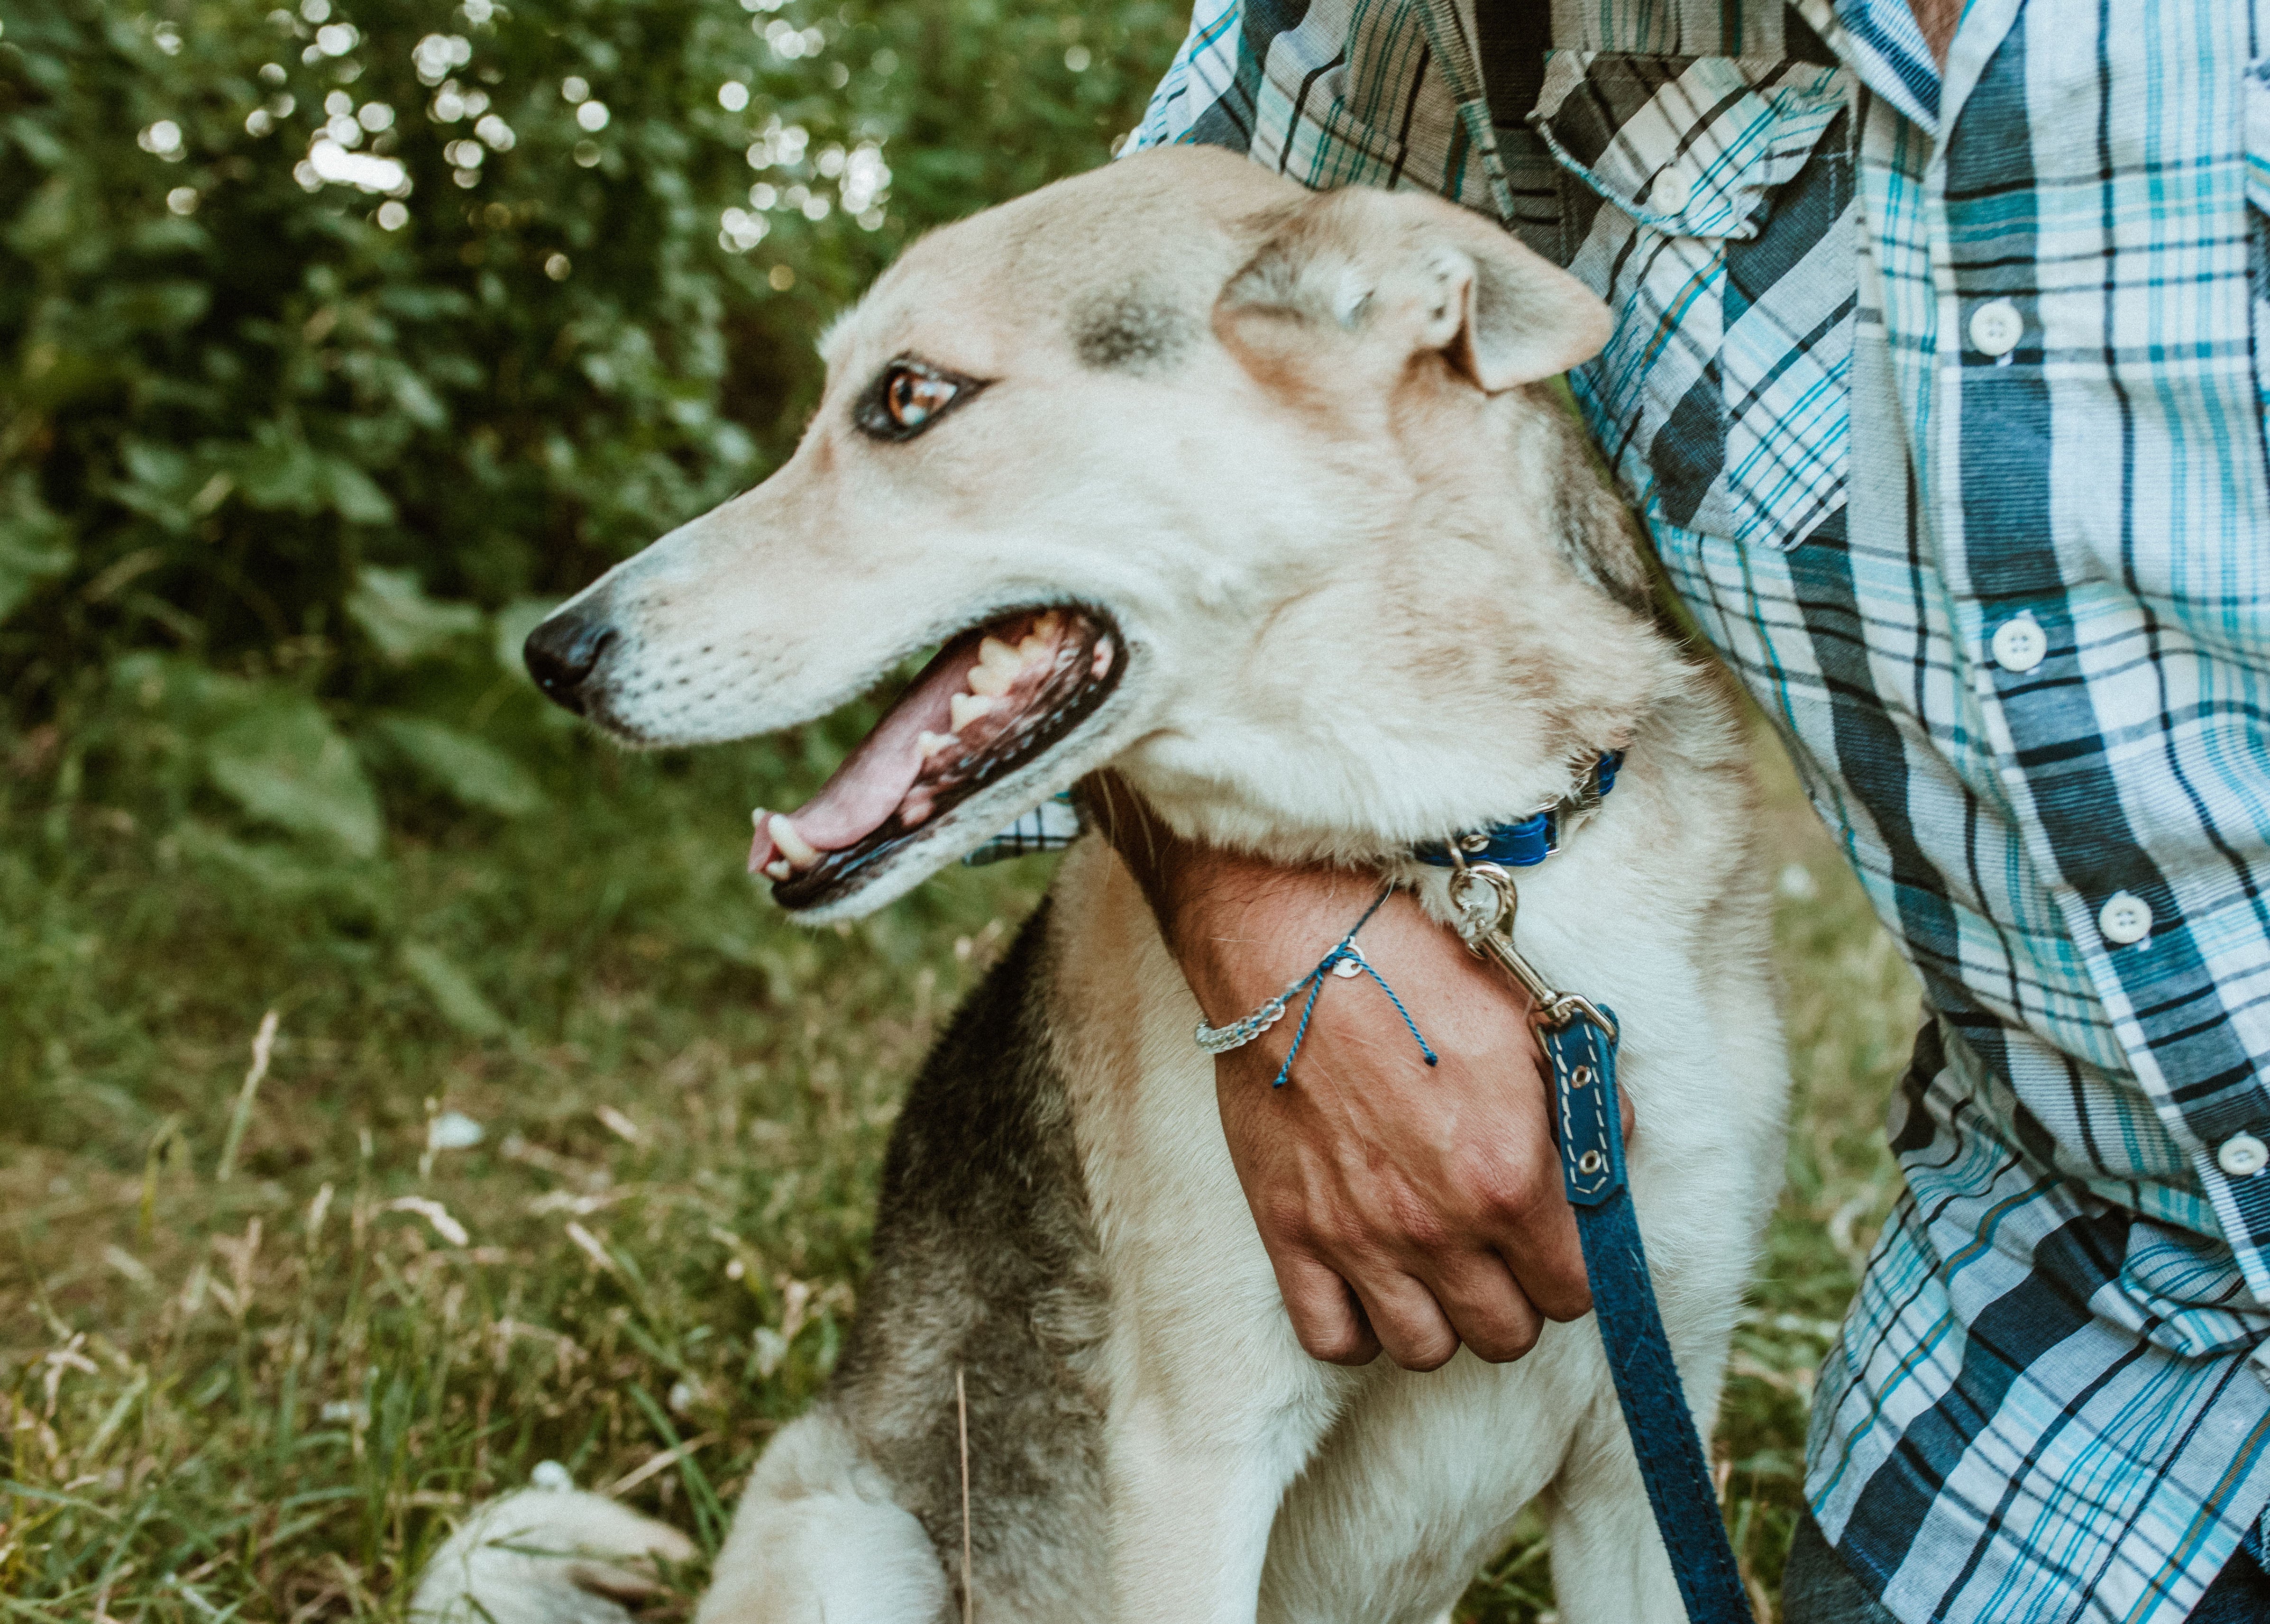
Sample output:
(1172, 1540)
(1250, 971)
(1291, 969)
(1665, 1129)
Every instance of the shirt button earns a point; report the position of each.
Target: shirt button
(2019, 644)
(1670, 194)
(2242, 1155)
(1996, 327)
(2125, 918)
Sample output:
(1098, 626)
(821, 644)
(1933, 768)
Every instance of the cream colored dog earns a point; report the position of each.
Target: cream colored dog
(1250, 494)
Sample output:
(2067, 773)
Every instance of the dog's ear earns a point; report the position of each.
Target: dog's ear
(1412, 275)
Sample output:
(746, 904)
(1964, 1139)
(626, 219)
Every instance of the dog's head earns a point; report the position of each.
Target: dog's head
(1157, 458)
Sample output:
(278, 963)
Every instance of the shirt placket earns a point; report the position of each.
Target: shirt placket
(2007, 644)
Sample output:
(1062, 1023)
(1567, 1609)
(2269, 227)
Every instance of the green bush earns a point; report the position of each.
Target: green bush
(335, 341)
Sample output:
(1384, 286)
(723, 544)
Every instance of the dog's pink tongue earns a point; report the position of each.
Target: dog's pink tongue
(875, 777)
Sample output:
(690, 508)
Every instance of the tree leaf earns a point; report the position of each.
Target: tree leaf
(394, 613)
(285, 765)
(452, 991)
(280, 472)
(32, 548)
(355, 496)
(469, 769)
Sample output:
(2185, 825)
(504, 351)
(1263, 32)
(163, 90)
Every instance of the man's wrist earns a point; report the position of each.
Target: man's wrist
(1240, 926)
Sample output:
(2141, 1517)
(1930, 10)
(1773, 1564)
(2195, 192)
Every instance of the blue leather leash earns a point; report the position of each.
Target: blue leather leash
(1580, 1041)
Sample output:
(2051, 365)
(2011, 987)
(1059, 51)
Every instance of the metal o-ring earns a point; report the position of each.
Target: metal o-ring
(1580, 1077)
(1590, 1161)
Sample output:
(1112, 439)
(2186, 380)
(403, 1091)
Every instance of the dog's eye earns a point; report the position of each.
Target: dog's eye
(914, 399)
(909, 396)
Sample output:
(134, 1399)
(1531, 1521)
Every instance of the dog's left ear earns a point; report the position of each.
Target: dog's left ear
(1413, 271)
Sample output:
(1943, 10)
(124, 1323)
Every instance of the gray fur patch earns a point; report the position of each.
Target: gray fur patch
(1129, 332)
(985, 1263)
(1596, 531)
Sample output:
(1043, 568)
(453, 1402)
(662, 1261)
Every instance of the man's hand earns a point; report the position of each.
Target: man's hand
(1402, 1207)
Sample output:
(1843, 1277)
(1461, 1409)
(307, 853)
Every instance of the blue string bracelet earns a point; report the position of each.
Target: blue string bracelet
(1346, 959)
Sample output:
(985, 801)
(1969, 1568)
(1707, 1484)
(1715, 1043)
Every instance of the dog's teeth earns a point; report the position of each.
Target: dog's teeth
(997, 666)
(1046, 627)
(1102, 661)
(967, 708)
(779, 869)
(928, 745)
(800, 852)
(762, 845)
(1033, 647)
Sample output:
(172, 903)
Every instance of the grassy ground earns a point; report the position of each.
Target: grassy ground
(259, 1346)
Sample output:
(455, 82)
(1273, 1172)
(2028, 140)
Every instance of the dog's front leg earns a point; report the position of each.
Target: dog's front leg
(1199, 1454)
(1213, 1406)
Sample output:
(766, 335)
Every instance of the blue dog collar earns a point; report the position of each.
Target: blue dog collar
(1529, 840)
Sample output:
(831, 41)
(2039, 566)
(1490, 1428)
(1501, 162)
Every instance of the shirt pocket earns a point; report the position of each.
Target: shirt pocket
(1328, 146)
(1709, 201)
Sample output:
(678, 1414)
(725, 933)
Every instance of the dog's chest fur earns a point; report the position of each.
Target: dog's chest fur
(1061, 1224)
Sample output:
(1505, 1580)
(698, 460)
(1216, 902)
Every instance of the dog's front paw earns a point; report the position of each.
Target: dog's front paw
(547, 1556)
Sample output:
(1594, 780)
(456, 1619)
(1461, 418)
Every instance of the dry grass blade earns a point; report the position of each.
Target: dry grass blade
(264, 1044)
(660, 1463)
(961, 1407)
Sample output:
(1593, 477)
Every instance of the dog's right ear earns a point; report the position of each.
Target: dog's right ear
(1405, 276)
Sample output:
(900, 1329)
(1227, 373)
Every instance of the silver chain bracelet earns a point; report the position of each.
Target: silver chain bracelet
(1238, 1034)
(1344, 961)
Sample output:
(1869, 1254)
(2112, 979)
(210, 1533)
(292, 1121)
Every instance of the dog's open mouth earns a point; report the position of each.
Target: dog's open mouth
(996, 698)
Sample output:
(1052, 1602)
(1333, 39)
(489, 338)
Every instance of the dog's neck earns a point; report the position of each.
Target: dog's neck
(1449, 658)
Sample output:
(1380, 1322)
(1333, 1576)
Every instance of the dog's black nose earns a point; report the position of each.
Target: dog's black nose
(562, 653)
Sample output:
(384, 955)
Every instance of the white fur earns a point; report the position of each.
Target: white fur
(818, 1537)
(546, 1556)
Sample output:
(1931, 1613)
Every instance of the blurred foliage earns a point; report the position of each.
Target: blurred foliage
(336, 341)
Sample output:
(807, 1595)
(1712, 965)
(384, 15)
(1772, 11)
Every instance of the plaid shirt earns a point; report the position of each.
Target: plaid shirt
(1943, 395)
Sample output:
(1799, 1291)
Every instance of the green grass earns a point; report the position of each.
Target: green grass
(265, 1396)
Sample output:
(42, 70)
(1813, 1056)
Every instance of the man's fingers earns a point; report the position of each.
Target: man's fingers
(1486, 1307)
(1540, 1244)
(1523, 1212)
(1548, 1263)
(1408, 1322)
(1325, 1314)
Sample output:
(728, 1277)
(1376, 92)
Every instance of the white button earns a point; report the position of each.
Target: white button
(2124, 918)
(2242, 1155)
(1670, 194)
(2020, 644)
(1996, 327)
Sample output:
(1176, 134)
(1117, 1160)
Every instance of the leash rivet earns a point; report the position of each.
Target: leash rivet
(1590, 1161)
(1581, 1078)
